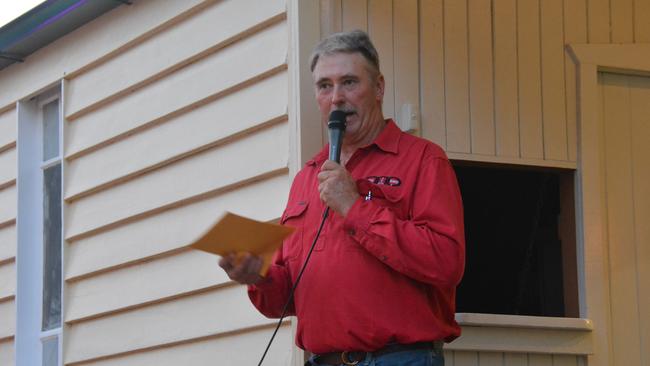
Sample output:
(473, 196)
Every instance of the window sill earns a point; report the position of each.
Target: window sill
(523, 334)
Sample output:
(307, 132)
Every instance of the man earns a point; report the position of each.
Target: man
(380, 286)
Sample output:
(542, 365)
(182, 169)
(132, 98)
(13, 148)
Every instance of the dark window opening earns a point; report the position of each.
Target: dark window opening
(520, 242)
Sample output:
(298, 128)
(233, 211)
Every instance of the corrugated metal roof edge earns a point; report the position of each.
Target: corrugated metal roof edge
(47, 22)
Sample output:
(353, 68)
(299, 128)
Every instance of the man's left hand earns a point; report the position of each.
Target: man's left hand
(337, 188)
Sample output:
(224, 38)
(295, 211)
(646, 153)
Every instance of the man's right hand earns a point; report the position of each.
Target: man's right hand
(245, 271)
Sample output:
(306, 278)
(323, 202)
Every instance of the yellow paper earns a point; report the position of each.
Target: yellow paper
(241, 235)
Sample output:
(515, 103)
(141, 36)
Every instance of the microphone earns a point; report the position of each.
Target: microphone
(336, 126)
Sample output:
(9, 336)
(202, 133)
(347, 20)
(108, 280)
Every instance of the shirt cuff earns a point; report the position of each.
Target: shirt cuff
(358, 218)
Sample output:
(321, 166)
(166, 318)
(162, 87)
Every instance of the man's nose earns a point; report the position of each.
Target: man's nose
(338, 96)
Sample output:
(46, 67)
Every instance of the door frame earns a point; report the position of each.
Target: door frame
(593, 272)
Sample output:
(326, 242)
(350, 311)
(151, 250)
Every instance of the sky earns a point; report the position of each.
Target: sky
(12, 9)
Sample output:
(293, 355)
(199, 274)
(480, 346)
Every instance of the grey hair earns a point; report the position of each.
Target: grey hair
(347, 42)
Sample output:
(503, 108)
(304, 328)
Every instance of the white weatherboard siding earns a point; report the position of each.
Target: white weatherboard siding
(155, 153)
(175, 112)
(8, 244)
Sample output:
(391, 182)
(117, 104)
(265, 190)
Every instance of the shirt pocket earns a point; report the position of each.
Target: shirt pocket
(294, 216)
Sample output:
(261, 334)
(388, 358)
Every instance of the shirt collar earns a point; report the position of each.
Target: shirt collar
(387, 141)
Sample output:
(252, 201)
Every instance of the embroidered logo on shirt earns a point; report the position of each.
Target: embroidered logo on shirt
(388, 181)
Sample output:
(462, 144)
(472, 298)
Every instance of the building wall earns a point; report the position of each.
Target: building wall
(175, 111)
(489, 79)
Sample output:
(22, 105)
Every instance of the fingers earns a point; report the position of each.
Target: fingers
(246, 271)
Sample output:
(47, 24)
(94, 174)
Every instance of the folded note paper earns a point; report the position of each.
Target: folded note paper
(240, 235)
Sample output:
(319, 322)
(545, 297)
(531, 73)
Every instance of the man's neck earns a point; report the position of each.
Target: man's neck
(349, 148)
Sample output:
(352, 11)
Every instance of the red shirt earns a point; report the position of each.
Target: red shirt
(388, 271)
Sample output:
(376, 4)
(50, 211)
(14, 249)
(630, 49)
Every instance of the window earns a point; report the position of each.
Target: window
(520, 237)
(40, 234)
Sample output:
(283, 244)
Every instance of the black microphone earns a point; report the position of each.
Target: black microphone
(336, 127)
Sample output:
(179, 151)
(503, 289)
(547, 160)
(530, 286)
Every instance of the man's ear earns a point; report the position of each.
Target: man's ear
(380, 84)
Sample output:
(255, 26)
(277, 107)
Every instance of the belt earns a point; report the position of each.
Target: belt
(354, 357)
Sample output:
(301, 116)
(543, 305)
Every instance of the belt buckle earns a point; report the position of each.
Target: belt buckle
(346, 359)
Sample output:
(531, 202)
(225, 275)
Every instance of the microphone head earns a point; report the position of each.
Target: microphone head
(337, 120)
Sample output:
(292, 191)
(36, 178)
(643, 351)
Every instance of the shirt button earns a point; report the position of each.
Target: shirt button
(351, 232)
(384, 258)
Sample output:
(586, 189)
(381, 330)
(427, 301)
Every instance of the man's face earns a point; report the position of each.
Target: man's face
(343, 81)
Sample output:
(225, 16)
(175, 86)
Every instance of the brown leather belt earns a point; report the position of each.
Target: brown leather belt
(354, 357)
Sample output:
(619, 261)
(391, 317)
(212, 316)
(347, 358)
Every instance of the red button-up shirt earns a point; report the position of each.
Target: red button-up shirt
(388, 271)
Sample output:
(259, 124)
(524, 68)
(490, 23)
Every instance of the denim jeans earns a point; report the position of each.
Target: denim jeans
(422, 357)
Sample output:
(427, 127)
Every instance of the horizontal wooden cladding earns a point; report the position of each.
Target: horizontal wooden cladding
(8, 204)
(172, 229)
(7, 356)
(8, 242)
(7, 279)
(239, 348)
(184, 89)
(201, 315)
(7, 319)
(463, 358)
(210, 171)
(8, 165)
(167, 51)
(8, 128)
(206, 126)
(166, 277)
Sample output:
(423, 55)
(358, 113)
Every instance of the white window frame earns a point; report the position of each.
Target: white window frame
(30, 256)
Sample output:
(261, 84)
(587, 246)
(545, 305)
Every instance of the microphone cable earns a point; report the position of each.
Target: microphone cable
(293, 289)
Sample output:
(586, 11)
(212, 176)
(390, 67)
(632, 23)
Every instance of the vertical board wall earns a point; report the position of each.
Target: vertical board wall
(490, 79)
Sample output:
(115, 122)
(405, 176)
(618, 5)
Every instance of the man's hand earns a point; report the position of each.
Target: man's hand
(337, 188)
(246, 271)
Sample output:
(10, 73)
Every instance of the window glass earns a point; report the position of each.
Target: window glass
(51, 130)
(51, 351)
(52, 247)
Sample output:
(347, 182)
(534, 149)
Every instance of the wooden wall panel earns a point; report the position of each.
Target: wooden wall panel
(7, 280)
(121, 74)
(201, 315)
(7, 319)
(620, 220)
(456, 76)
(241, 348)
(553, 97)
(162, 277)
(8, 204)
(505, 78)
(622, 28)
(515, 359)
(8, 168)
(481, 81)
(466, 359)
(381, 29)
(7, 242)
(575, 31)
(598, 21)
(7, 352)
(155, 102)
(218, 122)
(490, 358)
(407, 84)
(540, 360)
(354, 14)
(641, 24)
(530, 80)
(168, 232)
(7, 128)
(202, 174)
(432, 72)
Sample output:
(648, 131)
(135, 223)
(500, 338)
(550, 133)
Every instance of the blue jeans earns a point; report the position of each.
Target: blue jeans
(422, 357)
